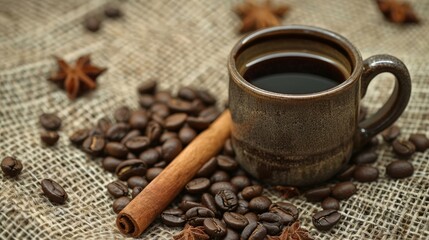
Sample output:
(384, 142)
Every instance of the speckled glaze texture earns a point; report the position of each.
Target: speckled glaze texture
(305, 139)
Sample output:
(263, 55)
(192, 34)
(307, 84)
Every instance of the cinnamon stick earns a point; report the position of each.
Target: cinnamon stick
(156, 196)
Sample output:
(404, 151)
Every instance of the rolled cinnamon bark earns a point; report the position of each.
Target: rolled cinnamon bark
(156, 196)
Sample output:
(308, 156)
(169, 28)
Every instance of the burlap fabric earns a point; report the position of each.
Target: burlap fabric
(182, 42)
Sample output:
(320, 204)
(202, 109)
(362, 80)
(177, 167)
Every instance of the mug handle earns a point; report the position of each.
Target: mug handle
(396, 103)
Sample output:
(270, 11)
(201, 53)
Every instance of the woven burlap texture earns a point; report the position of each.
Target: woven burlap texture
(184, 42)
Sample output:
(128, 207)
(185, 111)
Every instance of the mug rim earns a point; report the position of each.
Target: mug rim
(302, 29)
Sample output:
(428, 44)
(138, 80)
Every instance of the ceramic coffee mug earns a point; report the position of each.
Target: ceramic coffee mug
(303, 139)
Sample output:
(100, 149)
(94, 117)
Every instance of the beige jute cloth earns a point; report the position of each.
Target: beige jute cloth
(182, 42)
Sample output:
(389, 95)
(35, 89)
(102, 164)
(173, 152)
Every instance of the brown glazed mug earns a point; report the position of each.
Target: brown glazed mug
(304, 139)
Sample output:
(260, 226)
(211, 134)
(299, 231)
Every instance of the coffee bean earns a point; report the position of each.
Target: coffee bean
(110, 164)
(136, 191)
(130, 134)
(198, 185)
(79, 136)
(161, 164)
(185, 205)
(214, 227)
(231, 235)
(219, 176)
(346, 173)
(50, 138)
(365, 157)
(330, 203)
(196, 215)
(227, 148)
(96, 131)
(112, 12)
(137, 144)
(187, 93)
(326, 219)
(391, 133)
(104, 124)
(148, 87)
(260, 204)
(272, 222)
(420, 141)
(399, 169)
(186, 135)
(240, 182)
(288, 212)
(197, 106)
(173, 217)
(137, 181)
(251, 217)
(120, 203)
(235, 220)
(146, 101)
(254, 231)
(160, 109)
(53, 191)
(219, 186)
(343, 190)
(210, 114)
(92, 23)
(150, 156)
(365, 173)
(122, 114)
(117, 189)
(117, 131)
(152, 173)
(317, 194)
(198, 123)
(208, 201)
(139, 119)
(116, 149)
(11, 166)
(206, 97)
(226, 200)
(94, 145)
(129, 168)
(163, 96)
(175, 121)
(208, 168)
(153, 131)
(177, 105)
(252, 192)
(171, 148)
(226, 163)
(403, 148)
(167, 136)
(50, 121)
(243, 206)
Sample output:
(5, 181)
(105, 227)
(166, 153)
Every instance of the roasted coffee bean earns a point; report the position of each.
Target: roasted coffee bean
(153, 131)
(129, 168)
(226, 200)
(235, 220)
(185, 205)
(198, 123)
(420, 141)
(137, 144)
(96, 131)
(177, 105)
(399, 169)
(167, 135)
(196, 215)
(163, 96)
(161, 164)
(148, 87)
(226, 163)
(391, 133)
(186, 135)
(122, 114)
(272, 222)
(137, 181)
(120, 203)
(160, 109)
(243, 206)
(206, 97)
(346, 173)
(254, 231)
(198, 185)
(365, 173)
(252, 191)
(231, 235)
(53, 191)
(130, 134)
(218, 186)
(112, 12)
(94, 145)
(190, 197)
(116, 149)
(208, 201)
(110, 164)
(136, 191)
(171, 148)
(251, 217)
(227, 148)
(153, 172)
(175, 121)
(117, 189)
(287, 191)
(197, 106)
(50, 138)
(343, 190)
(219, 176)
(104, 124)
(92, 23)
(330, 203)
(146, 101)
(288, 212)
(365, 157)
(240, 182)
(403, 148)
(173, 217)
(50, 121)
(79, 136)
(150, 156)
(210, 114)
(259, 204)
(11, 166)
(139, 119)
(187, 93)
(317, 194)
(214, 227)
(117, 131)
(326, 219)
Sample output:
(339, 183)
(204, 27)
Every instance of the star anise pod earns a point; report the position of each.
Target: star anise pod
(293, 232)
(192, 233)
(257, 16)
(77, 79)
(397, 12)
(287, 191)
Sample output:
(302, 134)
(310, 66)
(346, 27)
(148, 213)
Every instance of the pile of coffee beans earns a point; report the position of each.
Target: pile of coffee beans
(51, 123)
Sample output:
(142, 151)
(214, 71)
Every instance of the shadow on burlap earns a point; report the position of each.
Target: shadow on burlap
(182, 42)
